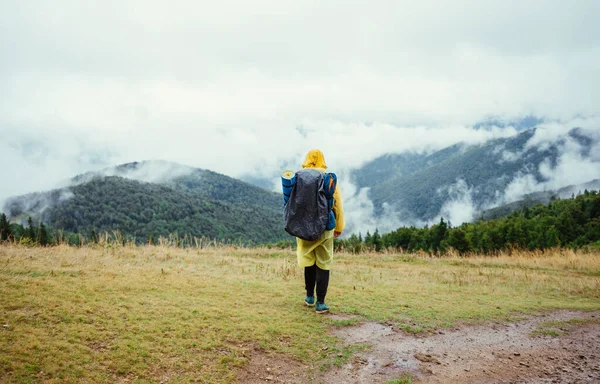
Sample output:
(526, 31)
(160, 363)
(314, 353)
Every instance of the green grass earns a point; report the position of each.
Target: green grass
(547, 332)
(404, 379)
(560, 328)
(151, 314)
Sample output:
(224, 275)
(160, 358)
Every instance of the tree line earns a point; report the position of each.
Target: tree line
(36, 234)
(41, 235)
(29, 234)
(571, 223)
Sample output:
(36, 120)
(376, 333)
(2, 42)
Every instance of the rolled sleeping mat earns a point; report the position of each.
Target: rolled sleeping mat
(288, 179)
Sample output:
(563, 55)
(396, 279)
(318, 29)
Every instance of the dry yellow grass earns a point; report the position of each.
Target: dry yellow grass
(151, 314)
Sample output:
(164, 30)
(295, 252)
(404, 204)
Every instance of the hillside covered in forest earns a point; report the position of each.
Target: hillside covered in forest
(194, 202)
(417, 185)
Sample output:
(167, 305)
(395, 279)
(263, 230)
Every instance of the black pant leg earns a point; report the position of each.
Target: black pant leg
(310, 278)
(322, 284)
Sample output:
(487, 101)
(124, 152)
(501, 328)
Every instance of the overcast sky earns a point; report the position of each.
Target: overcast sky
(246, 86)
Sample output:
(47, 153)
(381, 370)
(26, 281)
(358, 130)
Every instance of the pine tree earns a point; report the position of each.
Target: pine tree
(31, 230)
(4, 227)
(355, 246)
(43, 235)
(368, 239)
(376, 239)
(438, 234)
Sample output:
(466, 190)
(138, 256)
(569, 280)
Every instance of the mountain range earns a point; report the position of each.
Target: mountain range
(157, 198)
(418, 187)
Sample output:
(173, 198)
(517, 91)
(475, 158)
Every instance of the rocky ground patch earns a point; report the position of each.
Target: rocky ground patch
(556, 347)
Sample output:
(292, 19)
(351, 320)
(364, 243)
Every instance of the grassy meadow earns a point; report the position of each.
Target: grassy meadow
(158, 313)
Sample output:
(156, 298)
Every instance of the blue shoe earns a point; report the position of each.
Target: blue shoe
(309, 301)
(321, 307)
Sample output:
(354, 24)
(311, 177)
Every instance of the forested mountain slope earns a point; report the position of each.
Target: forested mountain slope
(417, 185)
(196, 202)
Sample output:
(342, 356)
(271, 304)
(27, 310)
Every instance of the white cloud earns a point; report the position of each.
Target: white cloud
(550, 132)
(521, 185)
(155, 171)
(226, 85)
(511, 156)
(571, 167)
(360, 214)
(459, 207)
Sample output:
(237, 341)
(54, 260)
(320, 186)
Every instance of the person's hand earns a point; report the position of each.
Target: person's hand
(337, 234)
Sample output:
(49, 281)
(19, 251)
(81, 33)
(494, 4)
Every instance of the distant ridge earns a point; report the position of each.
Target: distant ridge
(416, 186)
(536, 198)
(180, 199)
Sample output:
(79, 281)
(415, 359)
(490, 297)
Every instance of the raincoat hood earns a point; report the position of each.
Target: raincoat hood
(314, 159)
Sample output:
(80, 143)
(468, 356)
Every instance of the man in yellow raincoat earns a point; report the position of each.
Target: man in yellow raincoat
(316, 256)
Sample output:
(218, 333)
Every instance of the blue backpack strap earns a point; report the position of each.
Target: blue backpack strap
(329, 185)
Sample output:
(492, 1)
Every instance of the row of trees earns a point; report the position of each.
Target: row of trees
(29, 235)
(41, 235)
(570, 223)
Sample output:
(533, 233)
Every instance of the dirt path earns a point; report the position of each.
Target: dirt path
(493, 353)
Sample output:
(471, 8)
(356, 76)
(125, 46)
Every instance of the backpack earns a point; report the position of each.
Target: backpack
(308, 203)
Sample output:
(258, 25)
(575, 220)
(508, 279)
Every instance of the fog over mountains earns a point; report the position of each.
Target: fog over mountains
(460, 183)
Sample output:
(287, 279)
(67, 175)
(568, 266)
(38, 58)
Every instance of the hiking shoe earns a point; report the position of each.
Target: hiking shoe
(321, 307)
(309, 301)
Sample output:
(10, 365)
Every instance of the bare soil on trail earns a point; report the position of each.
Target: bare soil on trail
(491, 353)
(266, 367)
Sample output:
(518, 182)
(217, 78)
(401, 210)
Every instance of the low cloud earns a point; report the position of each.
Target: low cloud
(459, 207)
(572, 166)
(360, 213)
(154, 171)
(509, 156)
(35, 205)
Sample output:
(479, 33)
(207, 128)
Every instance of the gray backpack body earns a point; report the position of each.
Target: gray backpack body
(306, 212)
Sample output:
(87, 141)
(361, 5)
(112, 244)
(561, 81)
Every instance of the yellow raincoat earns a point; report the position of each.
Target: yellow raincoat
(320, 251)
